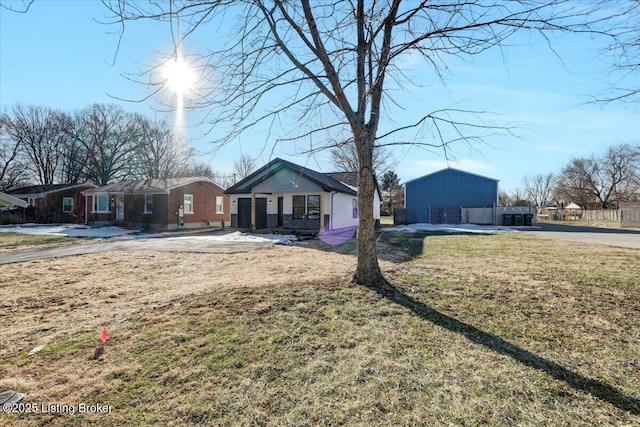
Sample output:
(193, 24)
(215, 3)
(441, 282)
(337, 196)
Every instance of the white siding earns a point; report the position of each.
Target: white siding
(343, 211)
(376, 205)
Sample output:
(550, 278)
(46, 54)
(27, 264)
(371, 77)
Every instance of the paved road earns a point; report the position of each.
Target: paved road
(170, 244)
(602, 236)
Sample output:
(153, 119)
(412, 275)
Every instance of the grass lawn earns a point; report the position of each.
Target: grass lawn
(512, 330)
(16, 241)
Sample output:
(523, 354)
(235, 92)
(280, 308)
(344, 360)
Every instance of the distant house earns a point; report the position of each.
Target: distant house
(52, 203)
(284, 195)
(170, 203)
(440, 196)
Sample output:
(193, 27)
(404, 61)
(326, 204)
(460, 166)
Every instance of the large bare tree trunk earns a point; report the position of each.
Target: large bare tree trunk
(368, 271)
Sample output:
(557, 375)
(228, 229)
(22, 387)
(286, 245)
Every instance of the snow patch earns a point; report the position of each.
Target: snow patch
(239, 236)
(73, 230)
(70, 230)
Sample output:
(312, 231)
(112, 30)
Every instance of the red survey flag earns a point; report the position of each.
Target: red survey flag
(103, 334)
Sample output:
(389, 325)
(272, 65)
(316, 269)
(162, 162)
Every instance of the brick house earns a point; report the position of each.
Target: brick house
(56, 203)
(171, 203)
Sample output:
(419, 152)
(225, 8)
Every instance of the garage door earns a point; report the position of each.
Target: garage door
(261, 213)
(244, 213)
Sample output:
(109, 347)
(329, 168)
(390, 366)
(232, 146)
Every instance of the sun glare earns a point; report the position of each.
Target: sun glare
(180, 77)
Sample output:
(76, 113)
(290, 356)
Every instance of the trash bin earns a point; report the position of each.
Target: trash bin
(518, 219)
(528, 219)
(507, 219)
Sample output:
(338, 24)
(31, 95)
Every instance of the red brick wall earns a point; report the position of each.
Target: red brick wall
(49, 209)
(204, 205)
(166, 207)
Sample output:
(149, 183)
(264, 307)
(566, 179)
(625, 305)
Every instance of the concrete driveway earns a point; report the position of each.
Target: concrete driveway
(625, 238)
(169, 244)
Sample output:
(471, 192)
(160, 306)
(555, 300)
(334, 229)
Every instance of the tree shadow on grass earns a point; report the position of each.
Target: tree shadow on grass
(395, 247)
(493, 342)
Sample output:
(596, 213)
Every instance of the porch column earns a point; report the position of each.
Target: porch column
(253, 211)
(321, 212)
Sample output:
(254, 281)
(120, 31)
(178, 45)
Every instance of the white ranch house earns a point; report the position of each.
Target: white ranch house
(283, 195)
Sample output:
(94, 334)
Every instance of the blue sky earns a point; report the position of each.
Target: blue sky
(57, 55)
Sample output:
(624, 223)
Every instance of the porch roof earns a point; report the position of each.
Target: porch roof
(326, 181)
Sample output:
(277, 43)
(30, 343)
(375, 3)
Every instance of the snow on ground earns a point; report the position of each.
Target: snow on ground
(238, 236)
(453, 228)
(73, 230)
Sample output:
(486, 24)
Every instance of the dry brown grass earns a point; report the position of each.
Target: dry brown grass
(52, 299)
(19, 242)
(280, 337)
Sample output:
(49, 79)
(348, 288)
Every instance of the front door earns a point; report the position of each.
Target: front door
(119, 208)
(244, 212)
(280, 211)
(261, 213)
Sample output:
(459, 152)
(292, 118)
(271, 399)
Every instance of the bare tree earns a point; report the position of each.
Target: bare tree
(329, 65)
(159, 152)
(74, 159)
(620, 174)
(575, 183)
(40, 132)
(244, 166)
(538, 189)
(345, 158)
(601, 182)
(199, 169)
(12, 169)
(624, 53)
(109, 136)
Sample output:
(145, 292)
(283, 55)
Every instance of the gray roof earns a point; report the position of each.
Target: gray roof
(349, 178)
(147, 186)
(42, 190)
(325, 181)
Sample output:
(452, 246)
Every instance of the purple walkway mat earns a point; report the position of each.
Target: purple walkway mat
(337, 236)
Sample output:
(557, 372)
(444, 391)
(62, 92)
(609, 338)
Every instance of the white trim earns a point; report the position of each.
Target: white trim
(9, 200)
(220, 205)
(94, 203)
(145, 210)
(190, 210)
(72, 204)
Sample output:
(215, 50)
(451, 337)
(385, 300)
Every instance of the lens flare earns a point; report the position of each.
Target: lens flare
(180, 77)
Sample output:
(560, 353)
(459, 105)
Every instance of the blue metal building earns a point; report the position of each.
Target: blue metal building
(438, 197)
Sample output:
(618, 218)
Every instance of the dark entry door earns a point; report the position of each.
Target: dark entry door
(261, 213)
(244, 213)
(280, 211)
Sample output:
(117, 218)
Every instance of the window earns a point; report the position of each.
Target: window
(67, 204)
(354, 208)
(101, 203)
(313, 207)
(219, 204)
(298, 207)
(31, 201)
(188, 203)
(148, 203)
(306, 207)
